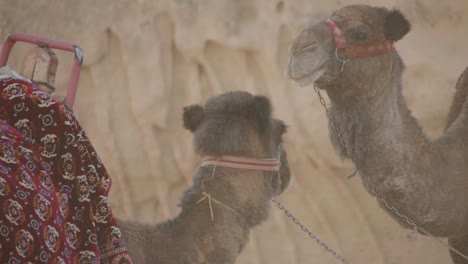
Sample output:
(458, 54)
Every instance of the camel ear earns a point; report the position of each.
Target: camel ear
(395, 25)
(263, 111)
(282, 127)
(193, 117)
(281, 182)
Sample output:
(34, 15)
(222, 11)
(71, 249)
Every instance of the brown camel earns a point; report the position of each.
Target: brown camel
(459, 103)
(425, 180)
(215, 228)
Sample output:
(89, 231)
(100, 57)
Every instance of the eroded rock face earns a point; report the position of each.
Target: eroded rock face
(145, 60)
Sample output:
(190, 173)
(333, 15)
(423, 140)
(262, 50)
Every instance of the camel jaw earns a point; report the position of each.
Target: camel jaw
(310, 78)
(306, 67)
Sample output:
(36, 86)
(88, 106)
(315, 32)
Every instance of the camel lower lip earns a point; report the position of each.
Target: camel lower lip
(309, 78)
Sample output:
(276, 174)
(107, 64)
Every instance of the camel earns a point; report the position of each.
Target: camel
(224, 203)
(351, 56)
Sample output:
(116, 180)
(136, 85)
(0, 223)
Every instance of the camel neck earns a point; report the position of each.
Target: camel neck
(238, 193)
(379, 129)
(397, 160)
(234, 212)
(194, 225)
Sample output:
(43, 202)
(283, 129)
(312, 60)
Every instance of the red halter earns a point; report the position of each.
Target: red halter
(242, 163)
(354, 51)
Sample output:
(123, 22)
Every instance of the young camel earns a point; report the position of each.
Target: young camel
(425, 180)
(236, 124)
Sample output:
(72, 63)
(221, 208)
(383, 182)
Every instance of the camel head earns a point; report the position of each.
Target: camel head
(239, 124)
(361, 34)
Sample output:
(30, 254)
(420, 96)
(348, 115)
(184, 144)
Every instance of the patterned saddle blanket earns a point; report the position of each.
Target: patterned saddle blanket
(53, 186)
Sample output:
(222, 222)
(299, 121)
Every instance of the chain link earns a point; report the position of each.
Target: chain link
(327, 112)
(307, 231)
(408, 220)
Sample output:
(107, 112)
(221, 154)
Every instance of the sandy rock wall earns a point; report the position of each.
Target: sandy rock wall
(145, 60)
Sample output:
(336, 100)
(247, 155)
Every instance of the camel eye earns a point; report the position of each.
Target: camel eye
(360, 36)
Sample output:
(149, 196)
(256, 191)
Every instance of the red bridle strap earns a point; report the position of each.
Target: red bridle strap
(354, 51)
(242, 163)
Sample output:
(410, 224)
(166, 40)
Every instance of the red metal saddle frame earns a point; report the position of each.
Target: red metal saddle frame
(54, 44)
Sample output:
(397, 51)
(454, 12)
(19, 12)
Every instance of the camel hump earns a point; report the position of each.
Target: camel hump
(459, 98)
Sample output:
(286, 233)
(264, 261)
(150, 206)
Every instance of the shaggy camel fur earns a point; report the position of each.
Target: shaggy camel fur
(425, 180)
(456, 109)
(235, 124)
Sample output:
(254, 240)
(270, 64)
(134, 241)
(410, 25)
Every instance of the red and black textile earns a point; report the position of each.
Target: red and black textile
(53, 186)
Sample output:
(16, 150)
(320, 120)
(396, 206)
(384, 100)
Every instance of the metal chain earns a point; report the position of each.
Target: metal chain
(296, 221)
(323, 103)
(408, 220)
(308, 232)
